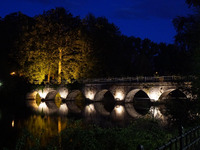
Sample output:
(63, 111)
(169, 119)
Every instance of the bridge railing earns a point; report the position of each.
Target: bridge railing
(185, 141)
(141, 79)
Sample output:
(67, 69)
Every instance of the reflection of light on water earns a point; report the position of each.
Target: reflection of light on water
(43, 108)
(59, 125)
(90, 95)
(63, 109)
(90, 108)
(156, 112)
(13, 123)
(118, 112)
(119, 109)
(119, 95)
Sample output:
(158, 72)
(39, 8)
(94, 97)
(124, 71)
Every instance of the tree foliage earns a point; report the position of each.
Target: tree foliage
(188, 39)
(57, 46)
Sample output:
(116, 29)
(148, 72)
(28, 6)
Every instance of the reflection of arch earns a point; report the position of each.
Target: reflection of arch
(100, 108)
(52, 106)
(170, 91)
(73, 107)
(131, 95)
(72, 95)
(131, 110)
(50, 101)
(100, 95)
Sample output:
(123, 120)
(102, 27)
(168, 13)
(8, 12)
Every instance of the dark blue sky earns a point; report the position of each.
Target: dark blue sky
(141, 18)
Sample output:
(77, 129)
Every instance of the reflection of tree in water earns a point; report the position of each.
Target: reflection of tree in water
(108, 101)
(80, 101)
(141, 103)
(177, 108)
(42, 129)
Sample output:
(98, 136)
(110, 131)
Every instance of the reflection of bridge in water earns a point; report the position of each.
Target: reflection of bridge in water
(126, 90)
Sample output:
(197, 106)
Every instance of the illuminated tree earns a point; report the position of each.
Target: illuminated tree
(47, 43)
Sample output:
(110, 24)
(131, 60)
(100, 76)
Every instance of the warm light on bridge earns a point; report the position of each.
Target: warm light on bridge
(119, 95)
(63, 92)
(90, 95)
(154, 95)
(43, 93)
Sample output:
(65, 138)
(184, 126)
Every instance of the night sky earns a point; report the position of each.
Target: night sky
(140, 18)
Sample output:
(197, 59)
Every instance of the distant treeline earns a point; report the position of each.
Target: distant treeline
(56, 45)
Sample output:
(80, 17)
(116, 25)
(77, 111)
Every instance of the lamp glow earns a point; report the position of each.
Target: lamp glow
(63, 92)
(119, 95)
(43, 93)
(13, 73)
(154, 96)
(90, 95)
(13, 123)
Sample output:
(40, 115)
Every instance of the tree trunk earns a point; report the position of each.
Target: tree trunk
(59, 65)
(49, 74)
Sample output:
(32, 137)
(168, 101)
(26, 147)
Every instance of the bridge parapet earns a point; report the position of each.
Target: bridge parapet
(141, 79)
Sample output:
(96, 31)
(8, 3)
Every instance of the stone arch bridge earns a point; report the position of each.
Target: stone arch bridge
(122, 89)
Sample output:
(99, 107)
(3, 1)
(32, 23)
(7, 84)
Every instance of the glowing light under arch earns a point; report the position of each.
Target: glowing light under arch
(119, 95)
(90, 95)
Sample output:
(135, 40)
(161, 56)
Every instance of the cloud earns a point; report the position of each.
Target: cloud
(145, 9)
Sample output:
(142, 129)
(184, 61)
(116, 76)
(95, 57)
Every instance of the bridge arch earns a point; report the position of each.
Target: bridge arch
(73, 94)
(131, 94)
(99, 107)
(172, 92)
(51, 95)
(131, 110)
(100, 95)
(73, 107)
